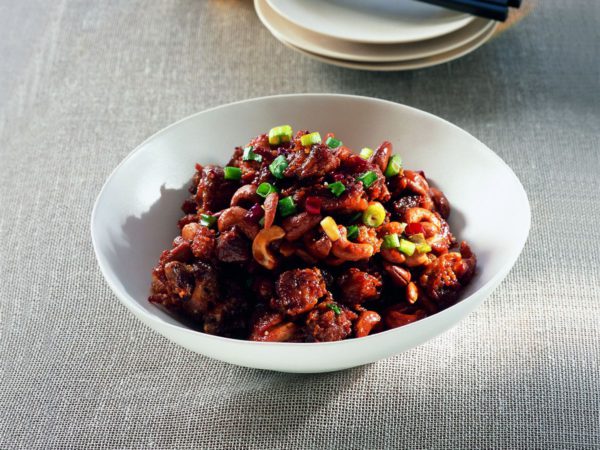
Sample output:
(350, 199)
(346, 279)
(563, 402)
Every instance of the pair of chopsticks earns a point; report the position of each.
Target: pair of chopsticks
(489, 9)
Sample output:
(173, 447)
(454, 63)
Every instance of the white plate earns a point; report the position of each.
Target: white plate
(354, 51)
(134, 217)
(373, 21)
(419, 63)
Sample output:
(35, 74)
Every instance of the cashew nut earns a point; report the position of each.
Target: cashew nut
(399, 275)
(442, 205)
(415, 182)
(417, 259)
(414, 215)
(350, 251)
(393, 255)
(260, 246)
(245, 194)
(436, 235)
(189, 231)
(365, 323)
(398, 316)
(277, 333)
(412, 292)
(381, 155)
(230, 217)
(236, 215)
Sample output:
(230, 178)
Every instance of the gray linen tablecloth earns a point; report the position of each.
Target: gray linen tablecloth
(82, 83)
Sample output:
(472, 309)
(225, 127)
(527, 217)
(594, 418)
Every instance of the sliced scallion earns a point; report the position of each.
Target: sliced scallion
(286, 206)
(207, 220)
(374, 215)
(337, 188)
(281, 134)
(368, 178)
(423, 248)
(232, 173)
(333, 142)
(249, 155)
(407, 247)
(391, 241)
(310, 139)
(265, 189)
(421, 243)
(335, 308)
(278, 166)
(366, 153)
(394, 166)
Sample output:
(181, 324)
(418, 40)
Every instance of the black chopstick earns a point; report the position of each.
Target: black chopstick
(511, 3)
(479, 8)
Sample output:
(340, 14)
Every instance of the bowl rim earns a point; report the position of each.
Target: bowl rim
(140, 312)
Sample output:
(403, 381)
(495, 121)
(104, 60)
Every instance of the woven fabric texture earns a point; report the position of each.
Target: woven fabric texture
(82, 83)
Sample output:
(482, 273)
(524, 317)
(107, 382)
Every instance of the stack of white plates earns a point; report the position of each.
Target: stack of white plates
(384, 35)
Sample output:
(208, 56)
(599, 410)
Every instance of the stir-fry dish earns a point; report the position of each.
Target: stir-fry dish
(300, 239)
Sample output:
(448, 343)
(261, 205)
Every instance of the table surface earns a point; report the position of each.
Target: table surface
(81, 83)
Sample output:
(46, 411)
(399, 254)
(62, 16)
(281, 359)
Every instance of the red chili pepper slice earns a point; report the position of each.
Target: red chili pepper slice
(313, 205)
(414, 228)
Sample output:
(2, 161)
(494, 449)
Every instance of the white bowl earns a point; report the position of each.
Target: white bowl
(135, 215)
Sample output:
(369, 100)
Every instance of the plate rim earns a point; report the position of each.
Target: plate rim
(262, 7)
(399, 66)
(465, 21)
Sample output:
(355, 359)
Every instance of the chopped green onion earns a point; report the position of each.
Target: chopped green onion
(281, 134)
(337, 188)
(423, 248)
(394, 166)
(265, 189)
(374, 215)
(232, 173)
(335, 308)
(407, 247)
(207, 220)
(366, 153)
(249, 155)
(368, 178)
(333, 142)
(417, 238)
(286, 206)
(391, 241)
(352, 231)
(261, 222)
(422, 245)
(278, 166)
(310, 139)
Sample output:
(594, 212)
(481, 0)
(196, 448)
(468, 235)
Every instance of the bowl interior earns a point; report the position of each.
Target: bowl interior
(136, 213)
